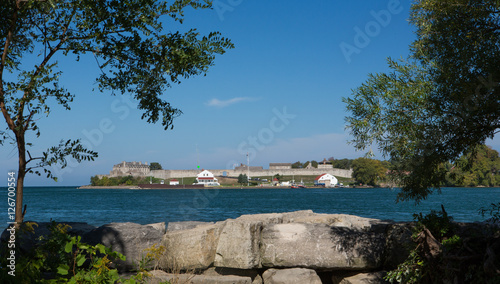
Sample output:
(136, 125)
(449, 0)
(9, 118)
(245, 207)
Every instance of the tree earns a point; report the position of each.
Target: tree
(127, 40)
(342, 164)
(242, 179)
(368, 171)
(441, 103)
(278, 177)
(155, 166)
(297, 165)
(314, 164)
(482, 172)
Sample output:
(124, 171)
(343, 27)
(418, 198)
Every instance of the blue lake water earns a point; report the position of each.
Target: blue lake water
(102, 206)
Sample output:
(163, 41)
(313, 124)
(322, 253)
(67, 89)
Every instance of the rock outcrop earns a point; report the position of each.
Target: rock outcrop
(129, 239)
(295, 247)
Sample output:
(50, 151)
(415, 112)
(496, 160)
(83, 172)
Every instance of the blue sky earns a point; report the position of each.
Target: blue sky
(277, 95)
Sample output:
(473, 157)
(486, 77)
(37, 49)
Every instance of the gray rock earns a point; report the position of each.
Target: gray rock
(240, 238)
(398, 244)
(177, 226)
(129, 239)
(158, 226)
(192, 249)
(365, 278)
(291, 276)
(159, 276)
(320, 246)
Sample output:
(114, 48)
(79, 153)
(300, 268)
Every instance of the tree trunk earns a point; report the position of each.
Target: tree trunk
(21, 147)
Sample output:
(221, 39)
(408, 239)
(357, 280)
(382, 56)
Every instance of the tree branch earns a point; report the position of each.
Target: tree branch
(8, 40)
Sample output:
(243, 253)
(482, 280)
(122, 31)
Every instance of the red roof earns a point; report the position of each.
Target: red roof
(173, 179)
(318, 177)
(275, 179)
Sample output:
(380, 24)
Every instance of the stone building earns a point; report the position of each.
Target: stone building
(130, 169)
(325, 164)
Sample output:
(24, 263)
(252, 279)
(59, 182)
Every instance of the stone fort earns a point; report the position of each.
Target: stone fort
(138, 169)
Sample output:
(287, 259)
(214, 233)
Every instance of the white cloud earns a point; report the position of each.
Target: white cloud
(221, 104)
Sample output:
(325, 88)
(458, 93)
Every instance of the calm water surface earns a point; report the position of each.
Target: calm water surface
(102, 206)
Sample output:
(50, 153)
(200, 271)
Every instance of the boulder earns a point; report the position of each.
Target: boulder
(177, 226)
(342, 220)
(399, 243)
(129, 239)
(320, 246)
(191, 249)
(365, 278)
(158, 276)
(239, 241)
(158, 226)
(290, 276)
(224, 271)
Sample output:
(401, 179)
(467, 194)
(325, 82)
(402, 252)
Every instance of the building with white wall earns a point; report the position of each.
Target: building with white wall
(326, 180)
(207, 178)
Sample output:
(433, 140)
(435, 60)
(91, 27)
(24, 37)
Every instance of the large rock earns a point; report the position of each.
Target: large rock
(192, 249)
(129, 239)
(158, 276)
(291, 276)
(365, 278)
(320, 246)
(239, 241)
(399, 243)
(185, 225)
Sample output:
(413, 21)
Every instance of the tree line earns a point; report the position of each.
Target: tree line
(480, 168)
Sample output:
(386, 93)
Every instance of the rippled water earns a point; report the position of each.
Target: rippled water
(101, 206)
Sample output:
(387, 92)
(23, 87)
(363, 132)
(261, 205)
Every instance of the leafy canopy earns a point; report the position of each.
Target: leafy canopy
(130, 43)
(442, 102)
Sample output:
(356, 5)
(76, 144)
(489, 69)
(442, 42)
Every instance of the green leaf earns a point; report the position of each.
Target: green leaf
(63, 269)
(68, 247)
(80, 259)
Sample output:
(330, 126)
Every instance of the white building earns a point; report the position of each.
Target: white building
(207, 178)
(174, 182)
(327, 180)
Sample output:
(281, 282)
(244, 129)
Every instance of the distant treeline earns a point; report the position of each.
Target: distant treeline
(479, 169)
(125, 180)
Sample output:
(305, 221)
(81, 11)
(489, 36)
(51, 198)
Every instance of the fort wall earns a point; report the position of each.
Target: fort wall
(137, 169)
(168, 174)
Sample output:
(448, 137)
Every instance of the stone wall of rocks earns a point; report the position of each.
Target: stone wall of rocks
(295, 247)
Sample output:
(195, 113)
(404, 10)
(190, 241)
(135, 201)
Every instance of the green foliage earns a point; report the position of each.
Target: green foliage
(446, 254)
(278, 177)
(124, 180)
(314, 164)
(342, 164)
(437, 222)
(297, 165)
(493, 210)
(135, 53)
(441, 103)
(155, 166)
(61, 258)
(480, 168)
(408, 272)
(368, 171)
(242, 179)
